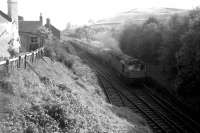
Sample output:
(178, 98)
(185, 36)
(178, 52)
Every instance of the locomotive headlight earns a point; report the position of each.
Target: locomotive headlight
(130, 68)
(133, 68)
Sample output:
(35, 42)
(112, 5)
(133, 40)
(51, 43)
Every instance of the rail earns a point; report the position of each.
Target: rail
(21, 60)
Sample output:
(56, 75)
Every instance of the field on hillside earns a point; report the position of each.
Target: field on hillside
(138, 16)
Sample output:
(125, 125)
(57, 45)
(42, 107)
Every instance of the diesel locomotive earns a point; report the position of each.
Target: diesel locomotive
(129, 68)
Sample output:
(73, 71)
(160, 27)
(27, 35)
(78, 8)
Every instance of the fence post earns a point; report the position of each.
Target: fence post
(22, 61)
(32, 57)
(25, 62)
(14, 65)
(35, 59)
(42, 52)
(37, 55)
(10, 66)
(7, 65)
(19, 62)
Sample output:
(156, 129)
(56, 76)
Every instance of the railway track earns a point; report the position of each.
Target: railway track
(157, 123)
(171, 99)
(123, 100)
(113, 96)
(162, 116)
(169, 111)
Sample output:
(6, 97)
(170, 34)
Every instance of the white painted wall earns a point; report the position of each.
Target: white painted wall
(8, 33)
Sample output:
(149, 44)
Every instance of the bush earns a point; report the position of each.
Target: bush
(60, 52)
(69, 63)
(142, 41)
(12, 52)
(38, 119)
(188, 60)
(58, 113)
(49, 52)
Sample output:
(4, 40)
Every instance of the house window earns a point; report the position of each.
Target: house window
(34, 39)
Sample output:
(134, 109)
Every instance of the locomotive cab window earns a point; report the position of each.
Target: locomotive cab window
(34, 39)
(123, 67)
(142, 66)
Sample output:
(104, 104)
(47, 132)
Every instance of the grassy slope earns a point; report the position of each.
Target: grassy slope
(59, 99)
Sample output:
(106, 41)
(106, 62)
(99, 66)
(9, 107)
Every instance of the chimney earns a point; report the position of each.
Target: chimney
(13, 10)
(41, 19)
(20, 18)
(48, 23)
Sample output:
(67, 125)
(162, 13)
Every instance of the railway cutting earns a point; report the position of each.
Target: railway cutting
(160, 114)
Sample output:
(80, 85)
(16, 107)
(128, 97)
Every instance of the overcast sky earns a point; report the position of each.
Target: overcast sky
(80, 11)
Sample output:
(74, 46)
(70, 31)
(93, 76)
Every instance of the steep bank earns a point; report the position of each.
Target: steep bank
(50, 97)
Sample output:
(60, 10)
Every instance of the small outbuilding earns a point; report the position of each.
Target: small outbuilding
(30, 37)
(55, 32)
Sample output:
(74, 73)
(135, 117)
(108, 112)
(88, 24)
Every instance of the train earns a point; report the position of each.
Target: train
(131, 70)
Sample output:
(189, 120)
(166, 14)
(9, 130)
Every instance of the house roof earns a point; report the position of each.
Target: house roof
(29, 26)
(5, 16)
(52, 28)
(55, 31)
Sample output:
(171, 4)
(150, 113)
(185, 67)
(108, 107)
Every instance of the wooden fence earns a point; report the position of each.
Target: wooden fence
(22, 60)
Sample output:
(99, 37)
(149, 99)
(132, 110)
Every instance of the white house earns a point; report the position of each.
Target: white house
(9, 35)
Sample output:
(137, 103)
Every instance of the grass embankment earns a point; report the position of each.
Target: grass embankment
(60, 95)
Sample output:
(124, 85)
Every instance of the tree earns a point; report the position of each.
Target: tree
(188, 58)
(151, 20)
(151, 41)
(130, 39)
(43, 31)
(171, 44)
(142, 41)
(68, 27)
(90, 21)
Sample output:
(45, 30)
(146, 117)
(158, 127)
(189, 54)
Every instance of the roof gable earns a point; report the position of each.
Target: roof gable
(5, 16)
(29, 26)
(53, 28)
(55, 31)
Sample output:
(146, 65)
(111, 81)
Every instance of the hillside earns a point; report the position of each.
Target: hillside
(53, 96)
(140, 15)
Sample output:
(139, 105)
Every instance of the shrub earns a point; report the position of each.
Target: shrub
(60, 52)
(6, 87)
(12, 52)
(69, 63)
(37, 118)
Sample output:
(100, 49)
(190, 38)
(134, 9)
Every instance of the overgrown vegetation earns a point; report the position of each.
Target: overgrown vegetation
(174, 45)
(51, 98)
(58, 51)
